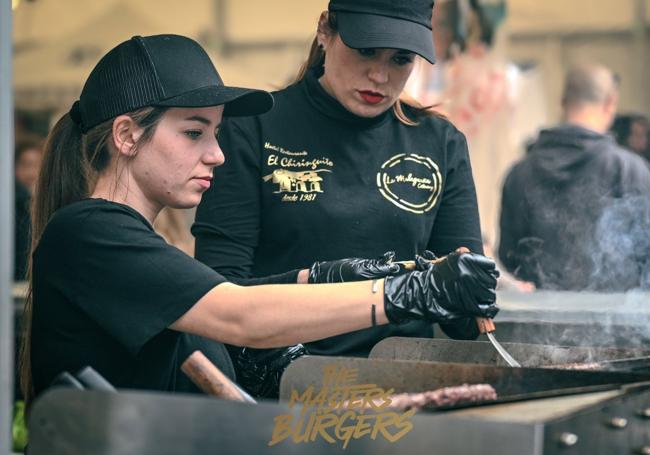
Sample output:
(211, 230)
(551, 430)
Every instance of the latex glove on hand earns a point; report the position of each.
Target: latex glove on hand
(429, 259)
(461, 284)
(353, 269)
(425, 260)
(259, 370)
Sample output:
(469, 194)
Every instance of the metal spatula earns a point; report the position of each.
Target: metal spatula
(487, 327)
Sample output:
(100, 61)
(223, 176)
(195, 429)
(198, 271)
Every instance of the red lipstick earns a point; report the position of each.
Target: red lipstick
(371, 97)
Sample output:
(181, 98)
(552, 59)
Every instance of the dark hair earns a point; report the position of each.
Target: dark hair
(622, 126)
(466, 26)
(485, 32)
(71, 163)
(316, 60)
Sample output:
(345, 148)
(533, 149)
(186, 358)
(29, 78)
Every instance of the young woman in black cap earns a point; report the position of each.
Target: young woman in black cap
(108, 292)
(341, 166)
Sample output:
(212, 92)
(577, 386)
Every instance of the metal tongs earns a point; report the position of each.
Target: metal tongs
(485, 325)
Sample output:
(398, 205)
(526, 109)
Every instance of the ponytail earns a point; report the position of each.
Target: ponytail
(314, 62)
(61, 181)
(63, 178)
(316, 58)
(71, 163)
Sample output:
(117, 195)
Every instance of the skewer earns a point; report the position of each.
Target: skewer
(410, 265)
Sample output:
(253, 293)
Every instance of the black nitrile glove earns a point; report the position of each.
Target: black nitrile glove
(259, 370)
(353, 269)
(461, 285)
(458, 329)
(423, 261)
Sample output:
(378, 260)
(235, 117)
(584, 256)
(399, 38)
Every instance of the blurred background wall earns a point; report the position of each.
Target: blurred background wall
(555, 34)
(261, 42)
(57, 42)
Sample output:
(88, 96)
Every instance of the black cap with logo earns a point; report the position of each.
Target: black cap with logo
(393, 24)
(159, 70)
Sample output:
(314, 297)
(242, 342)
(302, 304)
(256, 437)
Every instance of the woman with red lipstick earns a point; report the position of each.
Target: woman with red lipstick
(108, 292)
(341, 166)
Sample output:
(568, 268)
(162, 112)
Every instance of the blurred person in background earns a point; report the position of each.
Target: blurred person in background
(28, 157)
(342, 166)
(576, 210)
(459, 28)
(493, 102)
(27, 164)
(631, 131)
(507, 281)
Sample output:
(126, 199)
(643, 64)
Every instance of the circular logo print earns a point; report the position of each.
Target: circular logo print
(411, 182)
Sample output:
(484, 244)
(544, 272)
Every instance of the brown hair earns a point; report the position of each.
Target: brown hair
(316, 59)
(71, 163)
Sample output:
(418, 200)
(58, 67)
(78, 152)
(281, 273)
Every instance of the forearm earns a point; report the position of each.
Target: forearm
(282, 315)
(286, 315)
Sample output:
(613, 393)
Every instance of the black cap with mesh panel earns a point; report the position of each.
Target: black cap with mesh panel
(393, 24)
(159, 70)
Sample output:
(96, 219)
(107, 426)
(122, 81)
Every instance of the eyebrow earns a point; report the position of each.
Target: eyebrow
(198, 118)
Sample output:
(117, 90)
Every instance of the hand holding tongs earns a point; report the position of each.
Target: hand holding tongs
(485, 325)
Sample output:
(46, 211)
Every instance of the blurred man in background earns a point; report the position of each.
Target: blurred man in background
(631, 131)
(576, 211)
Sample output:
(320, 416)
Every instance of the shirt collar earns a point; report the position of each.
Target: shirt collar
(329, 106)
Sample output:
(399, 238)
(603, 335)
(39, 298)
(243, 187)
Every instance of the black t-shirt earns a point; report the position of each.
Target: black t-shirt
(311, 181)
(106, 287)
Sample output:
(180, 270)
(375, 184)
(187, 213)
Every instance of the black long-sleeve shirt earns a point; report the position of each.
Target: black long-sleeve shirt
(311, 181)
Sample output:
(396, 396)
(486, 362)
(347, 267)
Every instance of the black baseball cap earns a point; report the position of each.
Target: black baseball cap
(393, 24)
(159, 70)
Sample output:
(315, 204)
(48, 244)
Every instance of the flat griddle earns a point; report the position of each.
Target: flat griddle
(404, 376)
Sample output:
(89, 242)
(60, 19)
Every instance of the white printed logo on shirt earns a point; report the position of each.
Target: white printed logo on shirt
(411, 182)
(297, 176)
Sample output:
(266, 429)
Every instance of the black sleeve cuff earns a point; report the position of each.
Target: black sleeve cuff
(281, 278)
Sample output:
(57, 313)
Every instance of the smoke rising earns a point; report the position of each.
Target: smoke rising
(621, 254)
(584, 319)
(603, 245)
